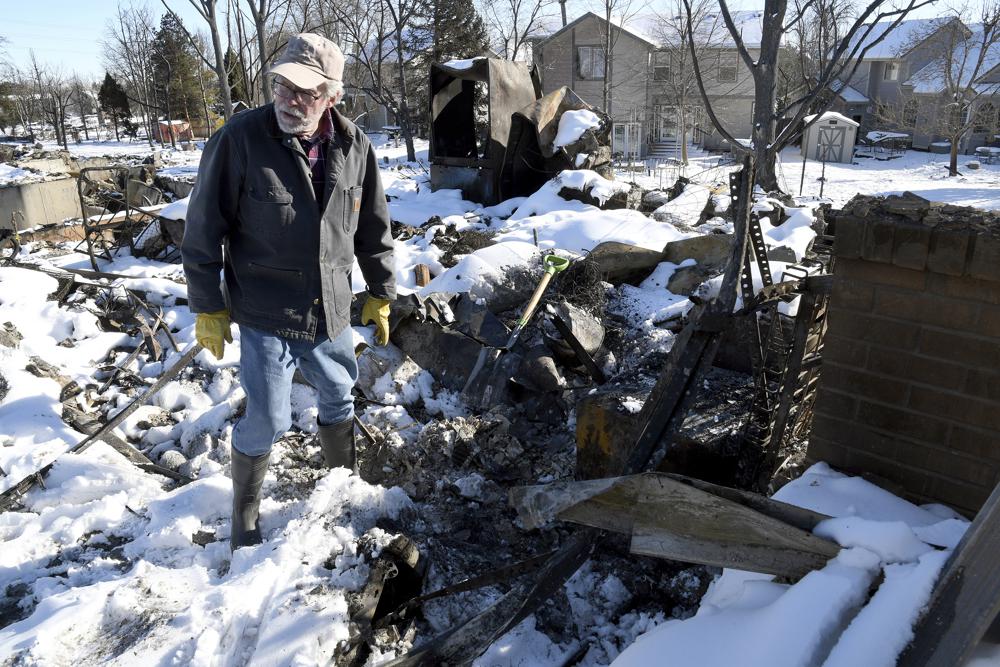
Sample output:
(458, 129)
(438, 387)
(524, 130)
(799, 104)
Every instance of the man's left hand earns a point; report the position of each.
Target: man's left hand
(377, 311)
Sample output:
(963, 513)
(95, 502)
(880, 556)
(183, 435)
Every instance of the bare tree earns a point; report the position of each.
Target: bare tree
(27, 105)
(381, 27)
(207, 10)
(514, 22)
(673, 72)
(84, 102)
(128, 54)
(616, 13)
(956, 84)
(263, 11)
(873, 23)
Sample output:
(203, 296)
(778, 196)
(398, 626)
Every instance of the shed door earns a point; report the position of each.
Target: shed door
(830, 143)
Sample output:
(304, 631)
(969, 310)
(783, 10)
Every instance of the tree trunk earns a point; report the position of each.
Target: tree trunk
(264, 88)
(404, 109)
(953, 157)
(220, 65)
(114, 121)
(606, 90)
(204, 102)
(682, 119)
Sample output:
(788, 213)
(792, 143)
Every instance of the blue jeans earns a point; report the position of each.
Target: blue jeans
(267, 363)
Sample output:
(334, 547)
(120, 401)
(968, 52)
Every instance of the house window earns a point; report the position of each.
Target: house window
(984, 119)
(625, 140)
(661, 67)
(891, 71)
(727, 67)
(591, 60)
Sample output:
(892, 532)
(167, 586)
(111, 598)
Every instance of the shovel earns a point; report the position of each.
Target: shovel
(553, 264)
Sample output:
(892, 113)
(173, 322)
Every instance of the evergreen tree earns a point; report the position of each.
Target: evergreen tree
(456, 30)
(175, 67)
(239, 90)
(114, 102)
(446, 30)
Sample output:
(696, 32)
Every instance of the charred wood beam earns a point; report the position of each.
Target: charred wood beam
(11, 497)
(690, 356)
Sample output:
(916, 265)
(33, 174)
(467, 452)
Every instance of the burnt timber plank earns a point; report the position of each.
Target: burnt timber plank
(672, 519)
(966, 599)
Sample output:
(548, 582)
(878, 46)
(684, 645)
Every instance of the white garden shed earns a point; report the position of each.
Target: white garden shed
(831, 138)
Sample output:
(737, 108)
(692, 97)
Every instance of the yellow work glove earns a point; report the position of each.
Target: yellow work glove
(377, 311)
(211, 330)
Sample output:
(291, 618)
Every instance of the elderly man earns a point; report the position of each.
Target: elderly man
(287, 196)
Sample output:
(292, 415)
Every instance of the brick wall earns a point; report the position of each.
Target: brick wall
(910, 388)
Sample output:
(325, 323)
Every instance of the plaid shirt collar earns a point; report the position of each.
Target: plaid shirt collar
(325, 135)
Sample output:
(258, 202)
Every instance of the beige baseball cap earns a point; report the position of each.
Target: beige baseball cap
(309, 60)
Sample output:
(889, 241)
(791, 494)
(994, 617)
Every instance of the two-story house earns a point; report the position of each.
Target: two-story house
(650, 78)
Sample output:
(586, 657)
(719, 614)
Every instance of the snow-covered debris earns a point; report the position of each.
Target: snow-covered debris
(826, 618)
(572, 125)
(11, 175)
(686, 208)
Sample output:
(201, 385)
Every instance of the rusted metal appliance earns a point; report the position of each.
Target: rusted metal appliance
(471, 109)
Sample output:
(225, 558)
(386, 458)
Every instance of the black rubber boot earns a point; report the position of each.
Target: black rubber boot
(248, 476)
(337, 443)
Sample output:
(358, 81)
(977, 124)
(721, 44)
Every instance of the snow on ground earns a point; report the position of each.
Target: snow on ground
(11, 175)
(826, 618)
(109, 568)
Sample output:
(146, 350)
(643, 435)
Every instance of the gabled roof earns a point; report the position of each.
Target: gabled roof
(849, 94)
(931, 79)
(647, 27)
(902, 39)
(627, 27)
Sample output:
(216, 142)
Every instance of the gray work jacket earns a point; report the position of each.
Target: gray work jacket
(254, 213)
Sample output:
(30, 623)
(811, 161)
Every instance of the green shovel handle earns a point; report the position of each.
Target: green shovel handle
(555, 264)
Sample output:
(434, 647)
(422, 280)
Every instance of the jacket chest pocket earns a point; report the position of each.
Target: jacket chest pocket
(352, 208)
(267, 210)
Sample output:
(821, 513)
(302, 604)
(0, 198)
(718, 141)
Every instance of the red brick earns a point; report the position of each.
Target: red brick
(853, 295)
(989, 322)
(962, 409)
(875, 330)
(910, 246)
(922, 308)
(883, 274)
(824, 450)
(985, 260)
(860, 383)
(982, 444)
(975, 289)
(961, 496)
(965, 349)
(849, 237)
(834, 403)
(878, 243)
(845, 351)
(983, 384)
(904, 423)
(916, 368)
(955, 465)
(948, 251)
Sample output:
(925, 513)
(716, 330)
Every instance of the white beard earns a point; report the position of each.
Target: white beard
(304, 124)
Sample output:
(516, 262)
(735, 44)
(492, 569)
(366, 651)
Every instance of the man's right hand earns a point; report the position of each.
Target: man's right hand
(211, 330)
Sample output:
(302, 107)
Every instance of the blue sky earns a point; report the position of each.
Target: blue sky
(68, 33)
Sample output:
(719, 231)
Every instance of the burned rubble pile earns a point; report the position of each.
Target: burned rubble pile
(478, 398)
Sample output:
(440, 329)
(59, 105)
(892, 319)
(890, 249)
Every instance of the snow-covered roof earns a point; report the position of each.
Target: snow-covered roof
(849, 94)
(649, 28)
(832, 116)
(931, 79)
(901, 39)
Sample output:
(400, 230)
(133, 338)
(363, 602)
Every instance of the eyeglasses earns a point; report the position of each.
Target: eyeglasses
(289, 93)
